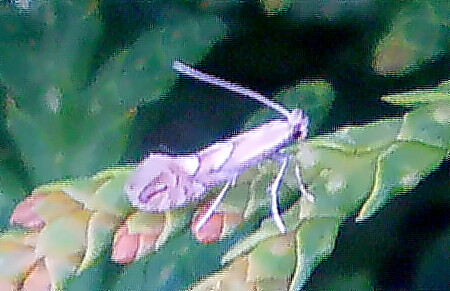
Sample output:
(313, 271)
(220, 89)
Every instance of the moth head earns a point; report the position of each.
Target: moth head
(299, 122)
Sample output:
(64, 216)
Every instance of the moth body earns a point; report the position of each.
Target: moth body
(162, 182)
(224, 160)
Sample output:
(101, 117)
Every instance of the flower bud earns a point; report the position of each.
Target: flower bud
(38, 279)
(24, 214)
(125, 246)
(211, 231)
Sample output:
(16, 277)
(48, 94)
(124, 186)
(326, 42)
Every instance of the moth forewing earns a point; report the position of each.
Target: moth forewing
(162, 182)
(244, 151)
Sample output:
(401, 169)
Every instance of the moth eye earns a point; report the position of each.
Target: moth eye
(151, 190)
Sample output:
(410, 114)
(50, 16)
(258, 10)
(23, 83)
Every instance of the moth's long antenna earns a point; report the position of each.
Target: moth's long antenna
(184, 69)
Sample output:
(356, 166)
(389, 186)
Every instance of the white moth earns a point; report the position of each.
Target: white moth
(162, 182)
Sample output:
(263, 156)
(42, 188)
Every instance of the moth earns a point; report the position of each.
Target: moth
(162, 182)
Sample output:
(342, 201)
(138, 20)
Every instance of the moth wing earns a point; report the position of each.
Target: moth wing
(189, 163)
(163, 182)
(147, 170)
(215, 156)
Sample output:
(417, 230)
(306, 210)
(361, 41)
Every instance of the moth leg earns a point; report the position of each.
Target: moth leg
(214, 206)
(301, 185)
(274, 188)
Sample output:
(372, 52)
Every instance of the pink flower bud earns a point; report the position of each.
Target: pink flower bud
(231, 220)
(137, 236)
(125, 246)
(25, 215)
(148, 238)
(38, 279)
(6, 284)
(211, 231)
(146, 243)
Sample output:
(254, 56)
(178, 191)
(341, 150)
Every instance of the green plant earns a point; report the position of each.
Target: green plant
(73, 87)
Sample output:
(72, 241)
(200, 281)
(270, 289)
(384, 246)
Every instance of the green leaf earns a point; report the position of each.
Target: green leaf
(354, 168)
(419, 33)
(63, 236)
(360, 139)
(64, 125)
(110, 197)
(60, 243)
(15, 254)
(423, 96)
(275, 6)
(339, 181)
(428, 125)
(11, 190)
(399, 168)
(315, 241)
(99, 236)
(273, 258)
(266, 231)
(143, 72)
(50, 123)
(402, 165)
(49, 47)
